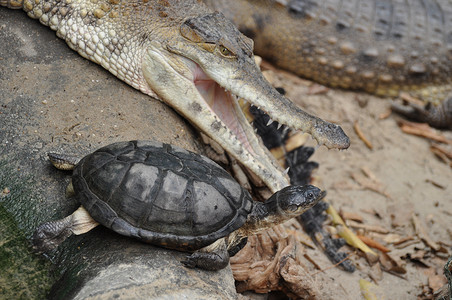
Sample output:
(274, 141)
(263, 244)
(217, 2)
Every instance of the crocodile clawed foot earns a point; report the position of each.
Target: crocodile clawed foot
(439, 116)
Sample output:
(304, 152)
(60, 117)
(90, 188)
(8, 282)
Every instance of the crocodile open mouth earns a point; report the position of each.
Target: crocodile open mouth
(225, 105)
(206, 92)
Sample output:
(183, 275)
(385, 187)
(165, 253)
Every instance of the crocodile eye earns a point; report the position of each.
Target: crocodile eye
(226, 52)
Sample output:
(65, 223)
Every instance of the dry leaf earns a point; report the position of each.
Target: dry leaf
(348, 235)
(371, 291)
(442, 149)
(371, 211)
(438, 185)
(423, 130)
(410, 99)
(421, 232)
(372, 258)
(436, 281)
(373, 228)
(367, 183)
(444, 154)
(372, 243)
(400, 240)
(361, 135)
(317, 89)
(419, 256)
(391, 264)
(376, 273)
(408, 244)
(312, 261)
(351, 216)
(385, 114)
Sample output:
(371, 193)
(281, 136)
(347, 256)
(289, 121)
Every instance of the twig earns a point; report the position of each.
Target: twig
(410, 99)
(423, 130)
(362, 136)
(373, 228)
(335, 265)
(372, 243)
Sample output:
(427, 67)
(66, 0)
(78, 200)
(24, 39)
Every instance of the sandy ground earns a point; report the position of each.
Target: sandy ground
(411, 179)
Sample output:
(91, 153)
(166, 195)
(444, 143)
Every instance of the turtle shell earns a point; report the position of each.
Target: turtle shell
(160, 194)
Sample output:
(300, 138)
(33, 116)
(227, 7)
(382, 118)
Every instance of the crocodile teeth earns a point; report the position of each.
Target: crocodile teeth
(286, 171)
(279, 125)
(285, 130)
(269, 122)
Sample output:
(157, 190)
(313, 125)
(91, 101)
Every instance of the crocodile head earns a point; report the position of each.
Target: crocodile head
(204, 68)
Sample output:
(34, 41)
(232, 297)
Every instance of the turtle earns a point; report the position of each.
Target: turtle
(169, 197)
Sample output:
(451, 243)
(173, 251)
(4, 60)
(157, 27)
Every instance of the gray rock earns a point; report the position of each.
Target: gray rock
(52, 100)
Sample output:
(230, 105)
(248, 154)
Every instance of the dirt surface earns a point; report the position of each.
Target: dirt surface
(409, 178)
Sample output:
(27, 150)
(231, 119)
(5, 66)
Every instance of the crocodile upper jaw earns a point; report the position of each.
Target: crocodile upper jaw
(197, 91)
(181, 84)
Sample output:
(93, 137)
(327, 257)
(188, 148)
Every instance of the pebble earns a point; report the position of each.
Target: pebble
(5, 191)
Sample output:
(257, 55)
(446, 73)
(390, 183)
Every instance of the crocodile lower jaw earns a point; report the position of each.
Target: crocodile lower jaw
(224, 104)
(183, 85)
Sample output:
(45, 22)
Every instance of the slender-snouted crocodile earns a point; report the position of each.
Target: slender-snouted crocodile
(193, 59)
(382, 47)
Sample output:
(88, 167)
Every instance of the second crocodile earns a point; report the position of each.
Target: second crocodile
(382, 47)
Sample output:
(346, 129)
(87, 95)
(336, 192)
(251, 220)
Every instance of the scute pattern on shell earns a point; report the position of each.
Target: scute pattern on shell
(160, 194)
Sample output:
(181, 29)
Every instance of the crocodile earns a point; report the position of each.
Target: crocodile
(381, 47)
(193, 59)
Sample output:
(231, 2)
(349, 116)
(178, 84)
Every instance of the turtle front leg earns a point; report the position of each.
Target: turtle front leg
(51, 234)
(63, 161)
(213, 257)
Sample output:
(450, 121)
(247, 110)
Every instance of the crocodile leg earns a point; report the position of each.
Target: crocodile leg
(439, 116)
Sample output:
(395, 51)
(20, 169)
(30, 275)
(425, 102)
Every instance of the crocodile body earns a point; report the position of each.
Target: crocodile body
(191, 58)
(382, 47)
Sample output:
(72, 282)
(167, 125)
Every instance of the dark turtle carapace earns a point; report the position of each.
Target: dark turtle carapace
(169, 197)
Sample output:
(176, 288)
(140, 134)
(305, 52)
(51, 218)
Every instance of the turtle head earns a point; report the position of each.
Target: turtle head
(293, 200)
(285, 204)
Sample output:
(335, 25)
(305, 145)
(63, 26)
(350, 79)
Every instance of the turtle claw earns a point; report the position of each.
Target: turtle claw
(189, 262)
(50, 235)
(211, 261)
